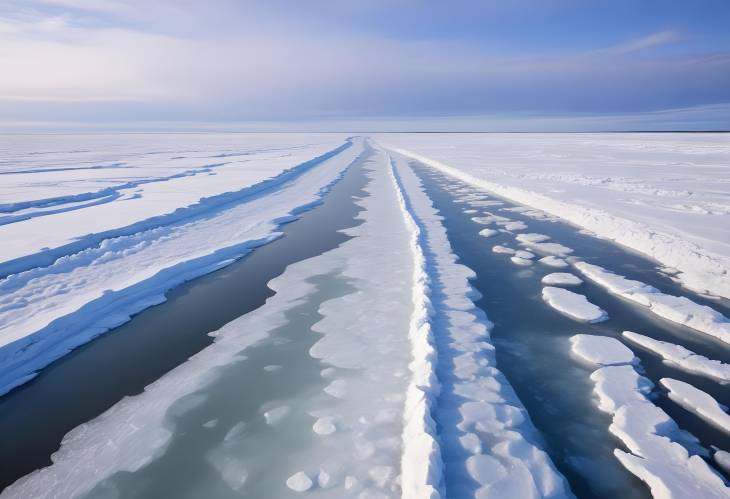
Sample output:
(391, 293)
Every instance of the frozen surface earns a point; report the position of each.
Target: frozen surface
(485, 434)
(665, 195)
(601, 350)
(674, 308)
(696, 401)
(573, 304)
(553, 261)
(659, 452)
(50, 309)
(561, 279)
(682, 357)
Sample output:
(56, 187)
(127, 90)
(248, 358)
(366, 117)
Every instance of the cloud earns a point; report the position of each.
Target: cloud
(646, 42)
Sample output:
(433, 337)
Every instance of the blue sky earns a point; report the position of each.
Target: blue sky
(326, 64)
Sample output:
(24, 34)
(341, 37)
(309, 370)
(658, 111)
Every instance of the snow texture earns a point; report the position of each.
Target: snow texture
(681, 357)
(677, 309)
(664, 195)
(573, 304)
(696, 401)
(601, 350)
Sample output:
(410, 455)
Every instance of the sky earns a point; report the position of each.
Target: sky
(390, 65)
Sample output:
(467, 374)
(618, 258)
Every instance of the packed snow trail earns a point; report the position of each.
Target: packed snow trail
(85, 294)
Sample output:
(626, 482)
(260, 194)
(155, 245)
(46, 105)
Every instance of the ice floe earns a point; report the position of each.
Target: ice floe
(682, 357)
(601, 350)
(573, 304)
(488, 232)
(503, 249)
(553, 261)
(674, 308)
(696, 401)
(561, 279)
(524, 262)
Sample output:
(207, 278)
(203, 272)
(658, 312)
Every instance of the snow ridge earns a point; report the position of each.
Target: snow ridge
(421, 463)
(487, 441)
(205, 205)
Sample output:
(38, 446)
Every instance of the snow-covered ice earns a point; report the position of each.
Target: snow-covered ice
(503, 249)
(677, 309)
(573, 304)
(554, 261)
(682, 357)
(664, 195)
(561, 279)
(488, 232)
(601, 350)
(695, 400)
(83, 294)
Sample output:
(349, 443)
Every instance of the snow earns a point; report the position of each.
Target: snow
(299, 482)
(553, 261)
(324, 426)
(696, 401)
(478, 413)
(531, 237)
(488, 232)
(677, 309)
(681, 357)
(79, 296)
(601, 350)
(660, 453)
(521, 261)
(561, 279)
(503, 249)
(665, 195)
(524, 254)
(573, 304)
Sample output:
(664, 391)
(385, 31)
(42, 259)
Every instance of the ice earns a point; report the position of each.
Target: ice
(561, 279)
(531, 238)
(524, 254)
(276, 415)
(553, 249)
(513, 226)
(664, 195)
(324, 426)
(476, 400)
(722, 458)
(682, 357)
(503, 249)
(232, 470)
(299, 482)
(48, 310)
(660, 453)
(490, 219)
(696, 401)
(488, 232)
(521, 261)
(553, 261)
(601, 350)
(573, 304)
(674, 308)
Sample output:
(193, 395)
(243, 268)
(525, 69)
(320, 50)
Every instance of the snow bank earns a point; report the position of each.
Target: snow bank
(682, 225)
(674, 308)
(561, 279)
(484, 430)
(601, 350)
(682, 357)
(696, 401)
(573, 304)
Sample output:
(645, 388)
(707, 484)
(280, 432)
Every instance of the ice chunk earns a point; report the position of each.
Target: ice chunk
(573, 304)
(553, 261)
(520, 261)
(299, 482)
(601, 350)
(674, 308)
(696, 401)
(513, 226)
(561, 279)
(503, 249)
(531, 237)
(682, 357)
(524, 254)
(488, 232)
(324, 426)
